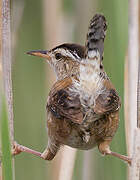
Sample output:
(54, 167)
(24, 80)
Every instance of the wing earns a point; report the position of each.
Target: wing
(107, 102)
(62, 103)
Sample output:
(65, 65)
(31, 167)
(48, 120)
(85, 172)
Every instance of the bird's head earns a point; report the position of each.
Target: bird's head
(64, 59)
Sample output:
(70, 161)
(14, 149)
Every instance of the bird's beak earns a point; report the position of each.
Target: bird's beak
(40, 53)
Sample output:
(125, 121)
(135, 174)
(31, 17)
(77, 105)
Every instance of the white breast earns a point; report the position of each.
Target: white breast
(90, 82)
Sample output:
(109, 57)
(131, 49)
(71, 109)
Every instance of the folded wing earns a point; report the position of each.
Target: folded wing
(64, 104)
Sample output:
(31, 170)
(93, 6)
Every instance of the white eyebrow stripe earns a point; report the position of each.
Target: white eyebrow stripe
(68, 53)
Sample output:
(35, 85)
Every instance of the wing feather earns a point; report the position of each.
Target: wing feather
(64, 104)
(107, 102)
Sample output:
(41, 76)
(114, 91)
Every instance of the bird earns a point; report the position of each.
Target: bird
(83, 104)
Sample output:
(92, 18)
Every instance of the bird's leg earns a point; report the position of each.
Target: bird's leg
(17, 149)
(120, 156)
(48, 154)
(105, 150)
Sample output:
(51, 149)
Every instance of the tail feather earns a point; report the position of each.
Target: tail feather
(95, 37)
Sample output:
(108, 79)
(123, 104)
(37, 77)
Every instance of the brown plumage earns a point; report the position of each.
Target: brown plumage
(83, 105)
(68, 122)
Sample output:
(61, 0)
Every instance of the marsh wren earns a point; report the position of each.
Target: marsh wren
(83, 105)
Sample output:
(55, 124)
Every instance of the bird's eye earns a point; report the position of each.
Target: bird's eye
(58, 56)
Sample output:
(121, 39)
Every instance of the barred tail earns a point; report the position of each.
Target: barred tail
(95, 37)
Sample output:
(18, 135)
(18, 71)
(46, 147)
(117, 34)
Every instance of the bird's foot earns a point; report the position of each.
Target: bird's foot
(46, 155)
(17, 149)
(105, 150)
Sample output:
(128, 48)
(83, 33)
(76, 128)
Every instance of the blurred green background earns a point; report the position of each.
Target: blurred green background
(42, 25)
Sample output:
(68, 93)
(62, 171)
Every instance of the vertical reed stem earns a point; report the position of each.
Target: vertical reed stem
(0, 73)
(54, 28)
(133, 130)
(132, 69)
(6, 61)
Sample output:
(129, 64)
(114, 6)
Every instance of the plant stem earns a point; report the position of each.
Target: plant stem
(64, 162)
(133, 133)
(6, 61)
